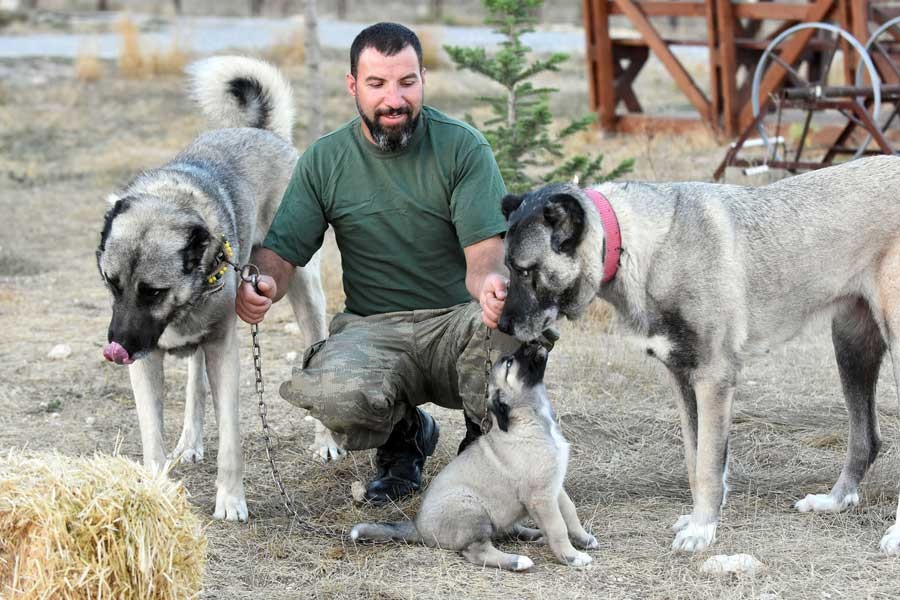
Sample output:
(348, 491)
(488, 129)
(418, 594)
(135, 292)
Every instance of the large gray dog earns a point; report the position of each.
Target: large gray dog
(163, 255)
(711, 274)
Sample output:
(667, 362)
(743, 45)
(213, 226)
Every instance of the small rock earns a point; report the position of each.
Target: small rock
(59, 351)
(358, 491)
(737, 564)
(292, 328)
(90, 421)
(291, 356)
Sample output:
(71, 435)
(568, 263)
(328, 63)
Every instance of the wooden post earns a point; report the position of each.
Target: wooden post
(600, 61)
(725, 23)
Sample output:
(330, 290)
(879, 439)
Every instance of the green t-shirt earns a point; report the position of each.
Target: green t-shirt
(401, 219)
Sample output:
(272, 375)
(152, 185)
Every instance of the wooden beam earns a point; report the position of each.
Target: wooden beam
(665, 9)
(662, 51)
(601, 56)
(726, 24)
(772, 11)
(791, 50)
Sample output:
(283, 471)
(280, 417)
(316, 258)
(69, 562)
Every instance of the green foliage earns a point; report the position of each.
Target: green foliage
(519, 131)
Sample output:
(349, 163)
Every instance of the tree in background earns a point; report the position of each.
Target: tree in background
(519, 131)
(313, 60)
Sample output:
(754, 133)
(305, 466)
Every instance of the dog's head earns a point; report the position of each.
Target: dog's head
(155, 262)
(545, 228)
(512, 376)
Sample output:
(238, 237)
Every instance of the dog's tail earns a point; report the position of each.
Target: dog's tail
(237, 91)
(399, 530)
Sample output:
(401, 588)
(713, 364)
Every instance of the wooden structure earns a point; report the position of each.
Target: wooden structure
(736, 34)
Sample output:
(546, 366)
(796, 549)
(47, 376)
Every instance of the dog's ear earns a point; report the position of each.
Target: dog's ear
(500, 410)
(197, 241)
(509, 204)
(565, 216)
(537, 364)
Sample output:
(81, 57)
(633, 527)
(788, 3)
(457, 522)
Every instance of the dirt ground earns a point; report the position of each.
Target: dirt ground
(66, 144)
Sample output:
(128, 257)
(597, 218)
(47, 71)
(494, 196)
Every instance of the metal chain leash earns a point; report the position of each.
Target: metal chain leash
(488, 366)
(250, 274)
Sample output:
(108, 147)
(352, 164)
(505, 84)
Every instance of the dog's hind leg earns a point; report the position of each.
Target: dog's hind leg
(190, 444)
(147, 381)
(223, 366)
(484, 554)
(858, 348)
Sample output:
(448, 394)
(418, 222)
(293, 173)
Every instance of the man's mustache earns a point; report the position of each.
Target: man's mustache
(393, 112)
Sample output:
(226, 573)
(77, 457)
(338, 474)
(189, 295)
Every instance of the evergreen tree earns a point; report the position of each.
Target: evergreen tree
(519, 131)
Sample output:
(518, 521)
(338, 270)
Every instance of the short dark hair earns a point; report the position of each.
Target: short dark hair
(387, 38)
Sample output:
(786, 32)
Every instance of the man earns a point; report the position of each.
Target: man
(413, 197)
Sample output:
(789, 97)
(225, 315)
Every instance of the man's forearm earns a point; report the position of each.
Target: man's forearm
(269, 263)
(483, 259)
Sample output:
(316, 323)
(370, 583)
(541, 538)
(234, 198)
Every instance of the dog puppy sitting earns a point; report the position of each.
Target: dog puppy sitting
(513, 471)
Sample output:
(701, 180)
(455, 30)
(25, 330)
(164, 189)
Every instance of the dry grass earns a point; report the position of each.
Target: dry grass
(137, 62)
(433, 55)
(626, 473)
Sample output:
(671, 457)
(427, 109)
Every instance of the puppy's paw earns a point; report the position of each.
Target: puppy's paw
(325, 446)
(589, 542)
(522, 563)
(890, 543)
(579, 559)
(682, 522)
(188, 451)
(694, 538)
(826, 503)
(231, 505)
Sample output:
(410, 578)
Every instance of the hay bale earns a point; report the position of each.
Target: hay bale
(101, 527)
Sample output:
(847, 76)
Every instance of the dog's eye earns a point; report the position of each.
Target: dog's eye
(509, 363)
(151, 293)
(522, 272)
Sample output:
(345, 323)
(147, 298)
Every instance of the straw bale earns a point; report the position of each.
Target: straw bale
(95, 528)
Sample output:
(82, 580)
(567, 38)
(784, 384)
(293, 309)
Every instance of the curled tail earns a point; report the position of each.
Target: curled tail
(399, 530)
(237, 91)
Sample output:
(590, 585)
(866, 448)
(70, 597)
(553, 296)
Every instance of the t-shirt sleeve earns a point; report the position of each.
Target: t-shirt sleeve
(475, 201)
(299, 225)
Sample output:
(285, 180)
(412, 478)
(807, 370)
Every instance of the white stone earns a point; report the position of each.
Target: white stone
(737, 564)
(59, 351)
(358, 491)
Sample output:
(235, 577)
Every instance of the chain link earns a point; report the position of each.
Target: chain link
(251, 278)
(488, 366)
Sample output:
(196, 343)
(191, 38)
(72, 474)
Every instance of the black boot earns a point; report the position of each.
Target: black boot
(473, 432)
(400, 460)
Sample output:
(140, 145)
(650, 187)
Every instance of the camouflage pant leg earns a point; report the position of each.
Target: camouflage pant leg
(345, 380)
(452, 350)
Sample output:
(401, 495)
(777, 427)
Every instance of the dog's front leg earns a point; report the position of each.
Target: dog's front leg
(147, 381)
(223, 366)
(687, 411)
(190, 444)
(544, 509)
(714, 400)
(577, 533)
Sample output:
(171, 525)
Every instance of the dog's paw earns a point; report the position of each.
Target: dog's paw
(890, 543)
(694, 538)
(682, 522)
(325, 447)
(826, 503)
(579, 559)
(588, 543)
(188, 451)
(523, 563)
(231, 506)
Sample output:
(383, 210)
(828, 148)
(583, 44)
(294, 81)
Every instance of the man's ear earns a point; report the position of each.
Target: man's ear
(565, 216)
(509, 204)
(351, 84)
(500, 410)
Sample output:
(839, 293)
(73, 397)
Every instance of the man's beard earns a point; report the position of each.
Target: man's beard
(391, 139)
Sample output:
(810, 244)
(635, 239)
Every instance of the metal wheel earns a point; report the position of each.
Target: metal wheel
(881, 52)
(815, 77)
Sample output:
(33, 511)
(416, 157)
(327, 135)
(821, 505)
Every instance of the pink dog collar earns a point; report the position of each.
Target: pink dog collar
(611, 232)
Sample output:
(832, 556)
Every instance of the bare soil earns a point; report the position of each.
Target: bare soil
(66, 144)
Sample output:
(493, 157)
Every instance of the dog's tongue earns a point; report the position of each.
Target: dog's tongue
(114, 352)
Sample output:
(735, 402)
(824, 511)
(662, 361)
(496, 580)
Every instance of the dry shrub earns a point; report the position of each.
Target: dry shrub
(135, 63)
(167, 62)
(100, 527)
(288, 50)
(131, 61)
(433, 57)
(599, 313)
(87, 65)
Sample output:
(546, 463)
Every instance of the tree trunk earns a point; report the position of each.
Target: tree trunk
(437, 10)
(177, 4)
(102, 4)
(313, 73)
(256, 7)
(342, 10)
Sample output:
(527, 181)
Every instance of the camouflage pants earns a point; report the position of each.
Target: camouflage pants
(372, 371)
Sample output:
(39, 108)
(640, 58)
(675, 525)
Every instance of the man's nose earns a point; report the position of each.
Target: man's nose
(393, 97)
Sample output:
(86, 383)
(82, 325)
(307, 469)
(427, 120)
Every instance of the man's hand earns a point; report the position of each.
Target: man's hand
(492, 298)
(251, 306)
